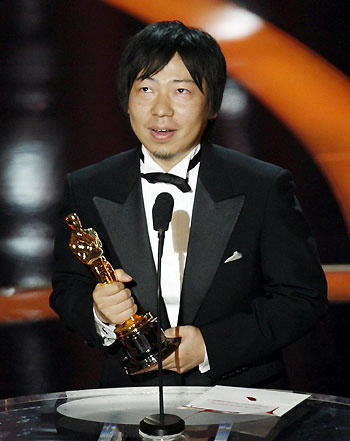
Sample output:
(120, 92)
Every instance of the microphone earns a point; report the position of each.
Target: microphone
(162, 212)
(161, 424)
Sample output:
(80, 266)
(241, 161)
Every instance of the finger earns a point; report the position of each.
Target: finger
(116, 304)
(121, 317)
(154, 367)
(123, 306)
(173, 361)
(120, 297)
(118, 307)
(118, 314)
(168, 362)
(122, 276)
(108, 289)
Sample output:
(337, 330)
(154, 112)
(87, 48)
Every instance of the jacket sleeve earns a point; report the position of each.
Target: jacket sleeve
(72, 281)
(293, 295)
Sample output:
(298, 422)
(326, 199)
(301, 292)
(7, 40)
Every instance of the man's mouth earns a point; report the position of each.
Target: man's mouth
(162, 135)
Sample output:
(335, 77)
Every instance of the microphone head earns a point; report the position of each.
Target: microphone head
(162, 211)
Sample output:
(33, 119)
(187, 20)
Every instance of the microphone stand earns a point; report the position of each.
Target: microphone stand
(161, 424)
(161, 235)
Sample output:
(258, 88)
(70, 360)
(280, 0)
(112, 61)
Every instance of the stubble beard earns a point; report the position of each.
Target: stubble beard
(169, 156)
(164, 156)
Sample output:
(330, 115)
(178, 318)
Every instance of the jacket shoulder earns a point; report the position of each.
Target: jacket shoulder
(106, 167)
(243, 163)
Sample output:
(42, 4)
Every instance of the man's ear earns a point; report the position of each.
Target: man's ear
(211, 115)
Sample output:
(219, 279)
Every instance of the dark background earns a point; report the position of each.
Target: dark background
(60, 112)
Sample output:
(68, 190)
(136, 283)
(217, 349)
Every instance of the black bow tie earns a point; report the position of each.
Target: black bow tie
(169, 178)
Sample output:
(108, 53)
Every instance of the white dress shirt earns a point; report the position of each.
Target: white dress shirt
(176, 238)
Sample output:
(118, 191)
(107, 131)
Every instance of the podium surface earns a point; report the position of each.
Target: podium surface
(114, 414)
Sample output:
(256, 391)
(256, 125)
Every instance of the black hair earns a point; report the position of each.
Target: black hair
(150, 50)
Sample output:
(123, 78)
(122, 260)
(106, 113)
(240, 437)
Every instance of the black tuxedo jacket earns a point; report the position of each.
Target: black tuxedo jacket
(247, 309)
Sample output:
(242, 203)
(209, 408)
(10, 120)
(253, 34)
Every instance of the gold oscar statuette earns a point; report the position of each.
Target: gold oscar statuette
(138, 334)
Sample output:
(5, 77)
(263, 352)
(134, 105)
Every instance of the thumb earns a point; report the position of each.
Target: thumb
(172, 332)
(122, 276)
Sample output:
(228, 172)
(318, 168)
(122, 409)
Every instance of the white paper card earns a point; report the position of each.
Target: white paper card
(247, 400)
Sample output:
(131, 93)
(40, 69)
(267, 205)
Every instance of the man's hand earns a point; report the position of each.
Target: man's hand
(113, 302)
(191, 351)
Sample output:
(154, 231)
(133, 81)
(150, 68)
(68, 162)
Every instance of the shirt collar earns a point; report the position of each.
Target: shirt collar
(149, 165)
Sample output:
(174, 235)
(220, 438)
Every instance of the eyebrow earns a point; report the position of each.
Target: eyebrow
(183, 81)
(174, 81)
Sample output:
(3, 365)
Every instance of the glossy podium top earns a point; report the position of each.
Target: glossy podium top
(114, 414)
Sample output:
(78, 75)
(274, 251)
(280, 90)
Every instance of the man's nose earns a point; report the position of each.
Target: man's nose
(162, 106)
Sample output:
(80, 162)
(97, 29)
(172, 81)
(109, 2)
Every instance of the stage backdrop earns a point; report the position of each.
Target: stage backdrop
(285, 102)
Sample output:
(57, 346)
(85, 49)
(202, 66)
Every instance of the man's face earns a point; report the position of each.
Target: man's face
(168, 113)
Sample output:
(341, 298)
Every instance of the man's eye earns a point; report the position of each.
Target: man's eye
(182, 90)
(145, 89)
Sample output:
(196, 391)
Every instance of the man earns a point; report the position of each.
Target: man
(241, 275)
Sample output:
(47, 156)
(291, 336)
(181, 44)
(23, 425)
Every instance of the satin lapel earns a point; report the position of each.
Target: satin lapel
(211, 228)
(133, 250)
(217, 206)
